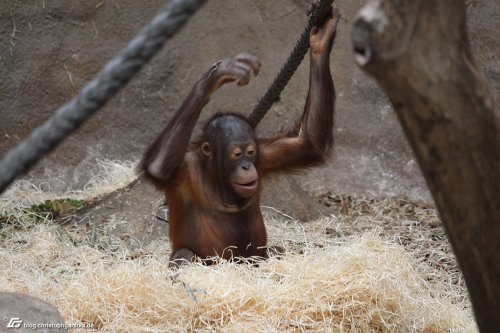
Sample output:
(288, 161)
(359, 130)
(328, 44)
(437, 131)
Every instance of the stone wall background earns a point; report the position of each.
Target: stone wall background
(49, 50)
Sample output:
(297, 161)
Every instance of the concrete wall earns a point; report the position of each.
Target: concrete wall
(49, 50)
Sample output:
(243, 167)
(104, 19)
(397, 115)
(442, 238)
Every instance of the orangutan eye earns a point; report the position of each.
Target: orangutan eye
(236, 153)
(250, 151)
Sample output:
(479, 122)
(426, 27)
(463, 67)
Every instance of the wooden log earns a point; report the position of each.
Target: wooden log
(419, 53)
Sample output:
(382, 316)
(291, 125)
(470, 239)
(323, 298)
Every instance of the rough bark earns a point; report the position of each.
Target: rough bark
(419, 53)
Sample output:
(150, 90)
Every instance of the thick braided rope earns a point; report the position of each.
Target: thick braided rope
(273, 93)
(114, 76)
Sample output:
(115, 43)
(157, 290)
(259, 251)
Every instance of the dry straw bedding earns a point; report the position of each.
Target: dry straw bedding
(376, 266)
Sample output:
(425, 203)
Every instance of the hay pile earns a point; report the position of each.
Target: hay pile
(336, 277)
(363, 285)
(110, 176)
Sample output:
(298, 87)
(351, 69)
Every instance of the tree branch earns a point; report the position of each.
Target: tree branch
(419, 53)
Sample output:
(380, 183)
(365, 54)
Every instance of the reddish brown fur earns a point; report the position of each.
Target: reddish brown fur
(207, 217)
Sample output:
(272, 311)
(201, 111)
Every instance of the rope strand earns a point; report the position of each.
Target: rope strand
(115, 75)
(293, 61)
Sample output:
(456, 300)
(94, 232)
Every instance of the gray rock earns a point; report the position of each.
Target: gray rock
(18, 312)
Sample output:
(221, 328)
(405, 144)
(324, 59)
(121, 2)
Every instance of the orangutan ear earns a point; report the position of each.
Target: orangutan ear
(206, 149)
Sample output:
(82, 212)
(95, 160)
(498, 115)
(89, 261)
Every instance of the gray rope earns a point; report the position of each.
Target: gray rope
(95, 94)
(273, 93)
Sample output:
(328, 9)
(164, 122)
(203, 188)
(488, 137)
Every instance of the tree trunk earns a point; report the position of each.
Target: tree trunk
(419, 53)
